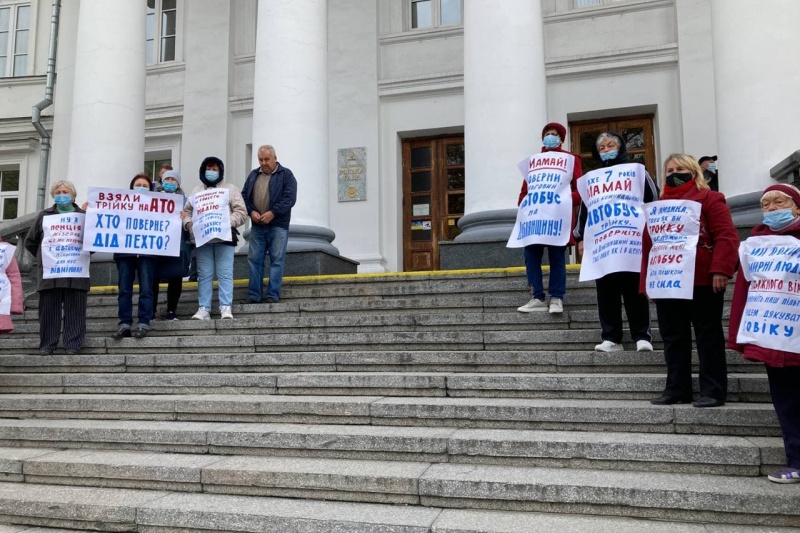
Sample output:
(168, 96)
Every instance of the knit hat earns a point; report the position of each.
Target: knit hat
(788, 190)
(171, 174)
(562, 131)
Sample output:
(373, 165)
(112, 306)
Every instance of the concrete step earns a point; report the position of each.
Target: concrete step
(741, 387)
(750, 456)
(757, 419)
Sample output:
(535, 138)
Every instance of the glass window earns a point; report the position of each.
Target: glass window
(451, 12)
(15, 23)
(421, 14)
(161, 30)
(9, 194)
(435, 13)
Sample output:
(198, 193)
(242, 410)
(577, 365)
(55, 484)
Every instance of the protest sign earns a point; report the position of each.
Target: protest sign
(674, 229)
(612, 239)
(133, 222)
(545, 214)
(211, 215)
(62, 242)
(6, 255)
(771, 319)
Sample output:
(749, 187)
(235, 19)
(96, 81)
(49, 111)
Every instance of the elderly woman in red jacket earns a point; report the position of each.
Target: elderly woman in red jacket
(780, 205)
(715, 264)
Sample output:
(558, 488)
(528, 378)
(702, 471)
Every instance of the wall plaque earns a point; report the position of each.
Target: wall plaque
(352, 174)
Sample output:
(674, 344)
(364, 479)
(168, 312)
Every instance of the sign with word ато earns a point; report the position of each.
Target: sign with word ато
(352, 174)
(612, 240)
(211, 215)
(674, 228)
(545, 213)
(133, 222)
(771, 263)
(62, 246)
(6, 255)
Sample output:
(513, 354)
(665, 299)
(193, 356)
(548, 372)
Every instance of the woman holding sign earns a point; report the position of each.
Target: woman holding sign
(11, 298)
(773, 288)
(58, 289)
(712, 256)
(172, 269)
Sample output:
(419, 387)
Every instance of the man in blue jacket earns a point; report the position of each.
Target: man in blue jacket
(269, 193)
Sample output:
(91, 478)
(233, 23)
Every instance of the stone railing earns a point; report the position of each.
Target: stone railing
(14, 231)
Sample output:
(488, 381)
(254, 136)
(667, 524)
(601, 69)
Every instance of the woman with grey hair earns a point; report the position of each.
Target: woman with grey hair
(54, 293)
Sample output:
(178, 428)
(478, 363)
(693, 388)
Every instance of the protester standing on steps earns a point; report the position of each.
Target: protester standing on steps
(710, 172)
(539, 166)
(172, 269)
(142, 268)
(269, 192)
(615, 287)
(715, 263)
(69, 293)
(11, 297)
(217, 254)
(780, 205)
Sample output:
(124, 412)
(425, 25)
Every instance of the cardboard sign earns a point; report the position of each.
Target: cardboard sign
(62, 243)
(211, 215)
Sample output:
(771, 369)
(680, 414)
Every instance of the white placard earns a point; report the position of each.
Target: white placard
(133, 222)
(6, 255)
(545, 214)
(771, 318)
(211, 215)
(62, 241)
(674, 228)
(612, 240)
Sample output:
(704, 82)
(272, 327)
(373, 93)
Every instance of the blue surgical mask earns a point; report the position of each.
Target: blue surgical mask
(608, 156)
(63, 200)
(712, 166)
(779, 218)
(551, 141)
(141, 189)
(169, 187)
(212, 176)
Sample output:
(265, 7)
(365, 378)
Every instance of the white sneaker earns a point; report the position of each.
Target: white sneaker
(608, 346)
(643, 346)
(202, 314)
(225, 311)
(532, 306)
(556, 306)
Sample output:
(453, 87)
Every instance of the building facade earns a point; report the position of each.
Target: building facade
(403, 120)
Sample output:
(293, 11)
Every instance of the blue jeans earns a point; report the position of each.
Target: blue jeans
(129, 267)
(210, 257)
(557, 287)
(272, 240)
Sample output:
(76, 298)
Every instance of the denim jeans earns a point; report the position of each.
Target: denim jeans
(557, 286)
(272, 240)
(210, 257)
(142, 267)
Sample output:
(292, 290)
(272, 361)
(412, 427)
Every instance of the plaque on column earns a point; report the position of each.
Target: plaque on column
(352, 174)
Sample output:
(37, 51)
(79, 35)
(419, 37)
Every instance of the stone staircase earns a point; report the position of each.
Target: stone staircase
(389, 404)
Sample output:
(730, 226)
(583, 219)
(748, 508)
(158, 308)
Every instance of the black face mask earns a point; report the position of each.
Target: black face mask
(677, 179)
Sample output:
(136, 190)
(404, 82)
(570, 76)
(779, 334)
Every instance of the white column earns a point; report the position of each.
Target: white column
(290, 99)
(505, 100)
(756, 50)
(107, 130)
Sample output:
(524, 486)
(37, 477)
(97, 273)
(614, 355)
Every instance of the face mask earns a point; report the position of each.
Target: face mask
(608, 156)
(678, 178)
(169, 187)
(63, 200)
(212, 176)
(141, 189)
(778, 219)
(712, 166)
(551, 141)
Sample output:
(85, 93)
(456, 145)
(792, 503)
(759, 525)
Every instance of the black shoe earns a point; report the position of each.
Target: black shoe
(272, 300)
(121, 334)
(251, 301)
(45, 351)
(669, 400)
(707, 401)
(72, 352)
(140, 333)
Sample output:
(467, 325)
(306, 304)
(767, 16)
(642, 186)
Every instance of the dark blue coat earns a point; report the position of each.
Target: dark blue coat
(282, 194)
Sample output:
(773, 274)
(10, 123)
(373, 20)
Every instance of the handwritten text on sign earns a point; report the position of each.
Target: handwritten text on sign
(545, 213)
(133, 222)
(62, 255)
(6, 254)
(211, 216)
(674, 228)
(613, 234)
(771, 264)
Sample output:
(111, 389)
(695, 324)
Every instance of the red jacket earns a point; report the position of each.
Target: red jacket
(577, 172)
(718, 246)
(768, 356)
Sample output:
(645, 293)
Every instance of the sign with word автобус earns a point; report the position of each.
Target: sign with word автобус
(674, 229)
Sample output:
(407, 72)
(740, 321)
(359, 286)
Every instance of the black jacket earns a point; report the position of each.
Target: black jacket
(33, 243)
(282, 194)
